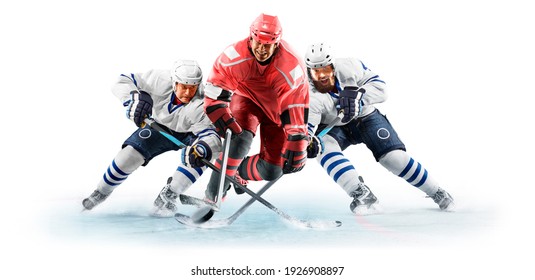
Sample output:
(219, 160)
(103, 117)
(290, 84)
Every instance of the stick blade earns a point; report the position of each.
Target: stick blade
(203, 215)
(187, 221)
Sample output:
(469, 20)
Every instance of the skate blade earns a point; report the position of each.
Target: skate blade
(451, 208)
(364, 210)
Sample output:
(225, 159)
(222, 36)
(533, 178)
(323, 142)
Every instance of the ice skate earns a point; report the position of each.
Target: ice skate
(444, 200)
(364, 201)
(94, 199)
(165, 203)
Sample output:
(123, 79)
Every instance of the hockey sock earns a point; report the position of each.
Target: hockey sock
(338, 166)
(184, 177)
(257, 169)
(124, 163)
(404, 166)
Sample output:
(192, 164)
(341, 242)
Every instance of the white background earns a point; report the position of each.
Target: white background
(459, 74)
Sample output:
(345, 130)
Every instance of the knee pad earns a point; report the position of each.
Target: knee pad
(268, 171)
(395, 161)
(129, 159)
(241, 144)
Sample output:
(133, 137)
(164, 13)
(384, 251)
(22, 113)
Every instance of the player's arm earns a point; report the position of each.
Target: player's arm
(218, 92)
(294, 114)
(207, 142)
(315, 145)
(371, 83)
(135, 94)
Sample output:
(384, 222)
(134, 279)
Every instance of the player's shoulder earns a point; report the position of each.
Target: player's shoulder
(348, 62)
(235, 53)
(290, 64)
(287, 57)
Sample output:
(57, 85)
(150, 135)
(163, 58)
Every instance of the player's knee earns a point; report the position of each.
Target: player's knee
(394, 160)
(269, 171)
(242, 143)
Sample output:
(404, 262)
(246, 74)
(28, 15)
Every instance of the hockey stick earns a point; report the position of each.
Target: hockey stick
(189, 221)
(254, 196)
(204, 215)
(154, 125)
(331, 124)
(186, 220)
(226, 147)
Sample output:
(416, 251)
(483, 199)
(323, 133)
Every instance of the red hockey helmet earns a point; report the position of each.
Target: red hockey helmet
(266, 29)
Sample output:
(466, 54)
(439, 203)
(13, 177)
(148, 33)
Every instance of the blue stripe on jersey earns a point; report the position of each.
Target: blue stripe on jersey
(334, 95)
(377, 80)
(328, 156)
(172, 107)
(337, 85)
(132, 77)
(199, 170)
(187, 173)
(407, 168)
(342, 171)
(372, 78)
(207, 132)
(363, 66)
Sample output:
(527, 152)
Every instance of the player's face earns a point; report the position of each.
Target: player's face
(185, 93)
(262, 52)
(323, 78)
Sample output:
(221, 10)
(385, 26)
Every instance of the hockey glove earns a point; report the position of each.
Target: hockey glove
(192, 155)
(221, 117)
(294, 153)
(139, 107)
(351, 102)
(315, 147)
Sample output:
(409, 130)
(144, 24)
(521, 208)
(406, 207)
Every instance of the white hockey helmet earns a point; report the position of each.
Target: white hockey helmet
(318, 55)
(186, 72)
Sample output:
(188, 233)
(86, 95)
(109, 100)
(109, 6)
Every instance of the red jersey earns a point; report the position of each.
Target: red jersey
(280, 88)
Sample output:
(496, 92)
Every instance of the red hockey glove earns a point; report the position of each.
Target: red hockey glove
(222, 118)
(294, 153)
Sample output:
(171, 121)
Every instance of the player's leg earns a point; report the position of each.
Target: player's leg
(143, 145)
(342, 171)
(382, 139)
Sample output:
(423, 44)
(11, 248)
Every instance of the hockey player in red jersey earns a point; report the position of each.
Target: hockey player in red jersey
(259, 82)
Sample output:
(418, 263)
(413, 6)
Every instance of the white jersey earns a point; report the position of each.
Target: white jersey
(348, 72)
(182, 118)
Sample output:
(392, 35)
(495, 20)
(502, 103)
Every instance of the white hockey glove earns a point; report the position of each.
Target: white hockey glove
(192, 155)
(351, 102)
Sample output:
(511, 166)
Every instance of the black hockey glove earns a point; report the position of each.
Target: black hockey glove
(139, 107)
(351, 102)
(192, 155)
(315, 147)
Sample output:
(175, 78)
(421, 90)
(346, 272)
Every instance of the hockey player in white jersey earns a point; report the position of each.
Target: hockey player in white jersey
(347, 84)
(174, 100)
